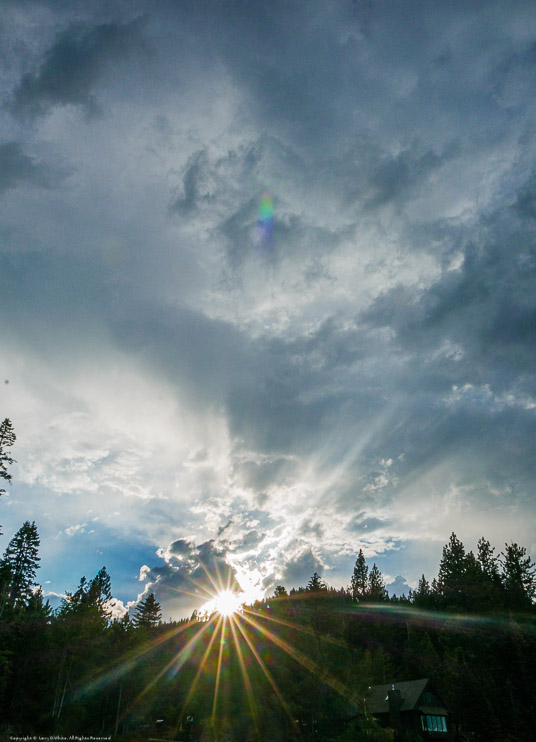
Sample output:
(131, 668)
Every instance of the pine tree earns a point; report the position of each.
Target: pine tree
(36, 607)
(491, 592)
(100, 590)
(20, 564)
(376, 585)
(452, 568)
(422, 597)
(316, 584)
(489, 563)
(359, 584)
(7, 439)
(147, 613)
(90, 598)
(518, 577)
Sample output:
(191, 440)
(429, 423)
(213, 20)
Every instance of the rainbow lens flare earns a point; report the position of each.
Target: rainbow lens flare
(265, 220)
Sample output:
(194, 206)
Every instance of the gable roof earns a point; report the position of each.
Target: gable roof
(410, 691)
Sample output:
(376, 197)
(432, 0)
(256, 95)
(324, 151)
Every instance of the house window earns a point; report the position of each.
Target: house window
(433, 723)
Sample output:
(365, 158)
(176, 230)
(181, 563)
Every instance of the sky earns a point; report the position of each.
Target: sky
(267, 287)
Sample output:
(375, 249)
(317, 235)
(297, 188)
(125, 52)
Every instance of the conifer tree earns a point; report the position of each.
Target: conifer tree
(147, 613)
(489, 563)
(452, 568)
(100, 590)
(376, 585)
(316, 584)
(359, 584)
(7, 439)
(422, 595)
(20, 564)
(90, 598)
(518, 577)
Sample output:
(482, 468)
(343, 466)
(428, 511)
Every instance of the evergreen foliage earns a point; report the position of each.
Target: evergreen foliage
(376, 585)
(518, 577)
(359, 584)
(19, 565)
(77, 671)
(7, 439)
(90, 598)
(316, 584)
(148, 613)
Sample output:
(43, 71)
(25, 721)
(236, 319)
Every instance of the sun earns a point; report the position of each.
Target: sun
(226, 603)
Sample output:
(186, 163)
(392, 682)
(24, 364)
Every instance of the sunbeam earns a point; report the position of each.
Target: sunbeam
(129, 662)
(263, 667)
(218, 669)
(176, 662)
(308, 631)
(200, 670)
(302, 659)
(245, 677)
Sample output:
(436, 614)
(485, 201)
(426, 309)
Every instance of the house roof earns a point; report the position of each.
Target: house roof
(410, 691)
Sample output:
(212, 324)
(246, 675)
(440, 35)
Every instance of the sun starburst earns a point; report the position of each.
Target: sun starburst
(226, 603)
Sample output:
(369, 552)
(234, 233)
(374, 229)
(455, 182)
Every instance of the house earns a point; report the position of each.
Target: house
(410, 705)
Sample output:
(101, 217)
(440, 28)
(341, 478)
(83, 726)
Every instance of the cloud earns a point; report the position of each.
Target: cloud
(367, 381)
(190, 576)
(299, 567)
(398, 586)
(16, 167)
(115, 608)
(72, 66)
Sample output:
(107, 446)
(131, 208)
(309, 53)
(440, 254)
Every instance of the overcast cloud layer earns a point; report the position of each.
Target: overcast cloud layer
(364, 379)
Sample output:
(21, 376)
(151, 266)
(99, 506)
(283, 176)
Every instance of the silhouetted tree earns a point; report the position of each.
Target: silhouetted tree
(7, 439)
(147, 613)
(489, 563)
(421, 596)
(316, 584)
(20, 564)
(359, 584)
(518, 577)
(376, 585)
(90, 598)
(451, 578)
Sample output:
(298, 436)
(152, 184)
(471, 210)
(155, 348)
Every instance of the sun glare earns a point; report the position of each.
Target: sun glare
(226, 603)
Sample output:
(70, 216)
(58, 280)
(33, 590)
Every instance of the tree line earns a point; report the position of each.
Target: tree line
(309, 653)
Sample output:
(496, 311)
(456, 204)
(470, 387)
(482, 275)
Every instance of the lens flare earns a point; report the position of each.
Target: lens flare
(265, 220)
(225, 603)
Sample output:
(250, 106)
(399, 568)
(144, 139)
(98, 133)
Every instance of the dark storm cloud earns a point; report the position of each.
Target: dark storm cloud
(188, 200)
(525, 202)
(71, 67)
(487, 306)
(16, 167)
(204, 356)
(468, 379)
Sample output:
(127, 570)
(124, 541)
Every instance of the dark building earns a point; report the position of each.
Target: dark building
(410, 705)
